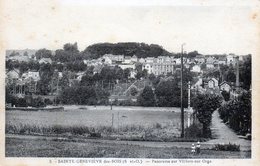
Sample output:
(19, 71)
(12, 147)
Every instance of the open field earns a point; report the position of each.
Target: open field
(126, 120)
(21, 147)
(98, 116)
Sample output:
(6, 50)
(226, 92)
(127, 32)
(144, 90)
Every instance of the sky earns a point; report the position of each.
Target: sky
(207, 28)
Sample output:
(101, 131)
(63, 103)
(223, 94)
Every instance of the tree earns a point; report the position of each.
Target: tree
(204, 105)
(226, 95)
(237, 113)
(133, 91)
(126, 73)
(245, 73)
(147, 98)
(168, 94)
(230, 76)
(43, 53)
(193, 54)
(46, 72)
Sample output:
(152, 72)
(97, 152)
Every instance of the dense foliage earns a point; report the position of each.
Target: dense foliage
(141, 50)
(84, 95)
(237, 113)
(168, 94)
(204, 105)
(146, 98)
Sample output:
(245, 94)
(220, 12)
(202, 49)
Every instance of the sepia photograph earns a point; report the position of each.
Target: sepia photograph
(122, 80)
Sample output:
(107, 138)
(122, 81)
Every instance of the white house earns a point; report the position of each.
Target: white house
(210, 62)
(177, 61)
(127, 60)
(19, 58)
(125, 66)
(134, 59)
(149, 59)
(213, 83)
(107, 60)
(196, 69)
(148, 67)
(45, 60)
(142, 60)
(13, 74)
(224, 86)
(200, 59)
(230, 59)
(31, 76)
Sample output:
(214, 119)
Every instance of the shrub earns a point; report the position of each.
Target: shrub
(48, 101)
(194, 131)
(227, 147)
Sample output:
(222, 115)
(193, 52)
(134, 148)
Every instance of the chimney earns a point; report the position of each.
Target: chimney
(237, 72)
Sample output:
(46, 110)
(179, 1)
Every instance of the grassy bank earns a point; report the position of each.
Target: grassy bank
(20, 147)
(156, 132)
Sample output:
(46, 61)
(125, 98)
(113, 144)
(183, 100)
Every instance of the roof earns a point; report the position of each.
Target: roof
(224, 82)
(48, 60)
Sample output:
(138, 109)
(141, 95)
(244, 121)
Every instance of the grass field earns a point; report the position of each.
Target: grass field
(134, 121)
(55, 148)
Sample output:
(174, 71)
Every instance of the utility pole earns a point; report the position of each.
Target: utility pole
(182, 110)
(189, 108)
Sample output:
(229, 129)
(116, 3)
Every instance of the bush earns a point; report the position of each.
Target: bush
(48, 102)
(194, 131)
(38, 102)
(227, 147)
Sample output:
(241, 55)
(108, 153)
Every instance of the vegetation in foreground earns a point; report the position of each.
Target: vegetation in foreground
(54, 148)
(157, 132)
(238, 114)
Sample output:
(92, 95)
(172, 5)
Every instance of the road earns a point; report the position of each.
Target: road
(222, 134)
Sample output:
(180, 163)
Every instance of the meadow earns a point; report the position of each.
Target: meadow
(123, 122)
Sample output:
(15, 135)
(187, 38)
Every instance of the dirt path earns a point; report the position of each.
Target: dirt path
(223, 134)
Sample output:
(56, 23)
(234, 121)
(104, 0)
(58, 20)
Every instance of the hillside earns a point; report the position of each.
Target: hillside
(141, 50)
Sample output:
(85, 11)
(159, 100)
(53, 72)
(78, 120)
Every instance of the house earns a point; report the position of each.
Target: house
(160, 59)
(134, 59)
(107, 60)
(196, 69)
(142, 60)
(60, 75)
(19, 58)
(45, 60)
(159, 68)
(31, 76)
(127, 60)
(177, 61)
(198, 84)
(199, 59)
(149, 59)
(210, 62)
(162, 68)
(97, 69)
(222, 60)
(114, 58)
(224, 86)
(213, 83)
(148, 67)
(127, 66)
(79, 75)
(13, 74)
(230, 59)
